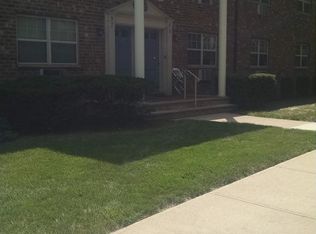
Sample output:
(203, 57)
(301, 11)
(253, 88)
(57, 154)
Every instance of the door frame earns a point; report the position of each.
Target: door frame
(132, 49)
(160, 51)
(154, 19)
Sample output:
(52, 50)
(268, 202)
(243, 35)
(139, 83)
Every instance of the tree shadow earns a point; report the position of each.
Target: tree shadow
(126, 146)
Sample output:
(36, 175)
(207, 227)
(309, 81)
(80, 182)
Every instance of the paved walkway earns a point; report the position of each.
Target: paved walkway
(236, 118)
(280, 200)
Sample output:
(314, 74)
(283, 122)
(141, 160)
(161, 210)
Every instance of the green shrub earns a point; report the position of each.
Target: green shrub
(304, 86)
(6, 132)
(44, 104)
(300, 86)
(254, 91)
(287, 87)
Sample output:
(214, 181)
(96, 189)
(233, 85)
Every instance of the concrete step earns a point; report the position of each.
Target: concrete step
(185, 103)
(192, 111)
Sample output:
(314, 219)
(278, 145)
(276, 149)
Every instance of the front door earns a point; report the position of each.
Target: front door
(123, 47)
(152, 57)
(125, 55)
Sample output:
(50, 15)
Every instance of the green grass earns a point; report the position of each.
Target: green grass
(292, 111)
(99, 182)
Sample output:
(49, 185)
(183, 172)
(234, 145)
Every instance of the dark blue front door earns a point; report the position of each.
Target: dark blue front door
(152, 56)
(124, 53)
(123, 44)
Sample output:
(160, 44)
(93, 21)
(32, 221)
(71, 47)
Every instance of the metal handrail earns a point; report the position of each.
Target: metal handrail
(184, 75)
(196, 81)
(179, 78)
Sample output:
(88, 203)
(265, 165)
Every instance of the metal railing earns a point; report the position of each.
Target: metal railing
(180, 78)
(178, 83)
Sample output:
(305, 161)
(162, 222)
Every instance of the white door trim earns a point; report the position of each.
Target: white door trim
(165, 26)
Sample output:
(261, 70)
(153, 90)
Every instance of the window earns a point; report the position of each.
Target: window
(203, 1)
(262, 6)
(202, 49)
(304, 6)
(259, 53)
(302, 55)
(46, 41)
(264, 2)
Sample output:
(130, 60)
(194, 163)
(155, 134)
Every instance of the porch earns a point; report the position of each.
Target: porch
(140, 49)
(139, 43)
(173, 107)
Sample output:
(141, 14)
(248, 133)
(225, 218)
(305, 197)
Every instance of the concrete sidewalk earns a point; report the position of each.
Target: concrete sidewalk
(280, 200)
(236, 118)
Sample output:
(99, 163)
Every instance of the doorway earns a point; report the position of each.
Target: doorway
(124, 54)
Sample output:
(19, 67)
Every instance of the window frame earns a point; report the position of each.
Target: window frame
(258, 53)
(260, 2)
(209, 2)
(262, 7)
(305, 2)
(301, 56)
(202, 50)
(48, 42)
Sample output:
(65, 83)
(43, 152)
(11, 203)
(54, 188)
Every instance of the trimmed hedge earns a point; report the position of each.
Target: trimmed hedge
(254, 91)
(43, 104)
(300, 86)
(287, 88)
(6, 133)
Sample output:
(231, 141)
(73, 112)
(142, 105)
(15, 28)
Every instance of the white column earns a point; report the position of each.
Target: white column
(139, 39)
(222, 48)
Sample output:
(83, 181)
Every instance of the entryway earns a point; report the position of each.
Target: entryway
(124, 53)
(119, 44)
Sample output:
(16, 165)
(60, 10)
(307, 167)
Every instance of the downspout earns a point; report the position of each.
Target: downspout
(236, 18)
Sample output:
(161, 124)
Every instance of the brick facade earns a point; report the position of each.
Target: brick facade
(283, 26)
(89, 15)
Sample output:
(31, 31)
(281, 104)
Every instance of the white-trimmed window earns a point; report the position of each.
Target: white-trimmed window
(304, 6)
(302, 55)
(44, 40)
(202, 49)
(263, 2)
(263, 7)
(259, 53)
(210, 2)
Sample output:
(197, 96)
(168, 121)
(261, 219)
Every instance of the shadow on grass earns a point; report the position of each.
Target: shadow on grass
(126, 146)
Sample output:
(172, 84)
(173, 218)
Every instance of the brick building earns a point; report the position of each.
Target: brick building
(93, 37)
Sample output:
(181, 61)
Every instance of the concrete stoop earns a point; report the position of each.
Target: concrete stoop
(180, 108)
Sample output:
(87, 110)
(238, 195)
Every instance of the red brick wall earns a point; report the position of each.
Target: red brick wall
(89, 15)
(7, 40)
(283, 26)
(188, 17)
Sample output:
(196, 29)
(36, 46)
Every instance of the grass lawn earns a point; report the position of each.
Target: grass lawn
(99, 182)
(289, 110)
